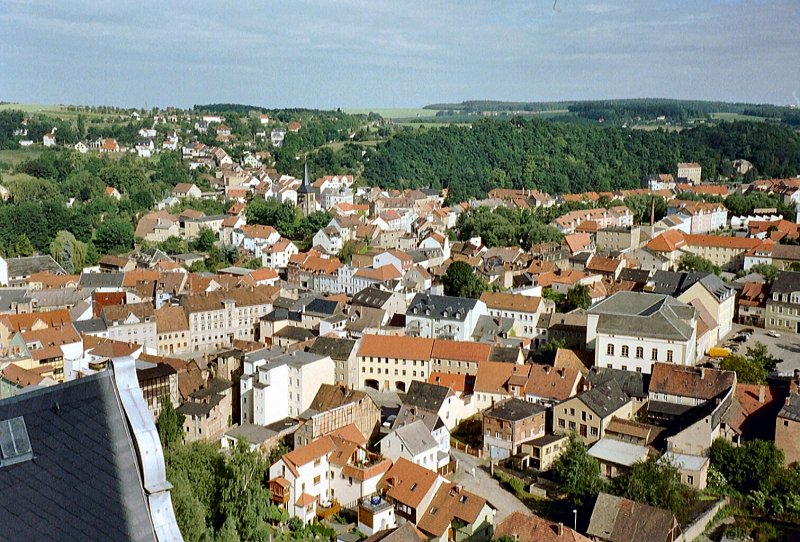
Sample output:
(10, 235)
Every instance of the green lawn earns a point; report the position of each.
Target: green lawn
(15, 156)
(54, 110)
(736, 116)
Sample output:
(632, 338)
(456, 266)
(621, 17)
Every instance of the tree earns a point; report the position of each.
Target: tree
(205, 240)
(23, 246)
(114, 236)
(753, 367)
(578, 297)
(174, 245)
(752, 466)
(190, 513)
(578, 472)
(70, 253)
(657, 482)
(768, 271)
(692, 262)
(460, 280)
(281, 216)
(169, 424)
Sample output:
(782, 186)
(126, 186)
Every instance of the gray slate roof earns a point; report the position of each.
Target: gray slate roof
(640, 314)
(632, 384)
(786, 282)
(604, 399)
(674, 283)
(371, 297)
(426, 396)
(791, 410)
(455, 307)
(336, 348)
(83, 482)
(26, 266)
(10, 296)
(416, 437)
(101, 280)
(514, 410)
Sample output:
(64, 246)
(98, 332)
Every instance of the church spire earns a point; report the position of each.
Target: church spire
(305, 188)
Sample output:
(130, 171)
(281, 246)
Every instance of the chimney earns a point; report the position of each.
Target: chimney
(761, 393)
(560, 529)
(702, 373)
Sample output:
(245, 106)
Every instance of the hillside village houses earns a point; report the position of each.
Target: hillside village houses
(299, 351)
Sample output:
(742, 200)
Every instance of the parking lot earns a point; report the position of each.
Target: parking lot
(785, 347)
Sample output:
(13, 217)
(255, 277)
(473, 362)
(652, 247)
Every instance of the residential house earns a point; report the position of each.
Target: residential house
(615, 518)
(443, 317)
(172, 331)
(410, 488)
(783, 304)
(186, 191)
(133, 323)
(526, 527)
(457, 514)
(617, 457)
(751, 304)
(509, 424)
(415, 443)
(590, 412)
(278, 255)
(787, 430)
(524, 310)
(17, 271)
(689, 172)
(344, 354)
(393, 362)
(542, 452)
(217, 318)
(333, 408)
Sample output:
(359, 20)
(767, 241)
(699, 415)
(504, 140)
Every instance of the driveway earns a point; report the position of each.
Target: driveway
(484, 485)
(786, 347)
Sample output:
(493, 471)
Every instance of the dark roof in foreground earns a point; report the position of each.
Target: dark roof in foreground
(426, 396)
(620, 520)
(791, 410)
(83, 481)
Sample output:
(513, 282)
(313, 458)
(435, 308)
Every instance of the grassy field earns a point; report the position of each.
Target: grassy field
(59, 111)
(736, 116)
(393, 113)
(16, 156)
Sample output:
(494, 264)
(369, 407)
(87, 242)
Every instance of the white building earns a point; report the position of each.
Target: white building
(443, 317)
(278, 384)
(633, 330)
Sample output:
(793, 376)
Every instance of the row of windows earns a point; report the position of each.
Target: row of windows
(396, 372)
(639, 352)
(562, 424)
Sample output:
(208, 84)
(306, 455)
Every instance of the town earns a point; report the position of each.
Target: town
(272, 348)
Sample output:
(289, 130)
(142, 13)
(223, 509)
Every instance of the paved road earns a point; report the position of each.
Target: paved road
(785, 347)
(484, 485)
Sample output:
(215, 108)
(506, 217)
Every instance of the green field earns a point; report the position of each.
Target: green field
(393, 113)
(59, 111)
(736, 116)
(16, 156)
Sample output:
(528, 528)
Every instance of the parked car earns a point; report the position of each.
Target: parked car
(773, 334)
(740, 339)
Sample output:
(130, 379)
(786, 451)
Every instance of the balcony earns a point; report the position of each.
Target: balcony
(327, 509)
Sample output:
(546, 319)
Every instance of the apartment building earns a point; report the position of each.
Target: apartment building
(524, 310)
(783, 303)
(132, 323)
(277, 384)
(218, 318)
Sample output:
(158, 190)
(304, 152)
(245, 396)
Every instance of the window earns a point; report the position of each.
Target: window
(316, 480)
(594, 431)
(572, 412)
(669, 356)
(624, 350)
(317, 462)
(561, 423)
(654, 354)
(639, 352)
(610, 350)
(690, 479)
(572, 425)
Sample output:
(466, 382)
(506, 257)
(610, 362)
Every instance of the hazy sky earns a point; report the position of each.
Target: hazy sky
(359, 53)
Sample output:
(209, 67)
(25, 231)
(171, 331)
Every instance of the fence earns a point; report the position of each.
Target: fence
(467, 449)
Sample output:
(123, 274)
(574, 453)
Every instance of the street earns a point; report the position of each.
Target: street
(786, 347)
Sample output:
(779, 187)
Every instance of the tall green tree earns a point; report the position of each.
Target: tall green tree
(169, 424)
(692, 262)
(114, 236)
(578, 472)
(657, 482)
(460, 280)
(70, 253)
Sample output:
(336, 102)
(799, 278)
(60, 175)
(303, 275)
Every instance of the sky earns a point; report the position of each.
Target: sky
(371, 53)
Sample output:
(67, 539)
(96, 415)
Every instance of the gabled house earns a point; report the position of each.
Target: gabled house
(509, 424)
(590, 412)
(615, 518)
(415, 443)
(410, 488)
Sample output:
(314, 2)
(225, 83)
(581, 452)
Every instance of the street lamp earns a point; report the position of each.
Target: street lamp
(575, 516)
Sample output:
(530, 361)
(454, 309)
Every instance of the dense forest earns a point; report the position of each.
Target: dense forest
(566, 158)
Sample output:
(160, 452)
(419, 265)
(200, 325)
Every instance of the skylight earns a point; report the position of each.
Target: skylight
(15, 446)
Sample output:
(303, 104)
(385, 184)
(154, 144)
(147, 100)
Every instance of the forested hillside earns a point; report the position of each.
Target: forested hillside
(559, 157)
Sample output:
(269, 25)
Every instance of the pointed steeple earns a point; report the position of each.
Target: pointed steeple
(305, 188)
